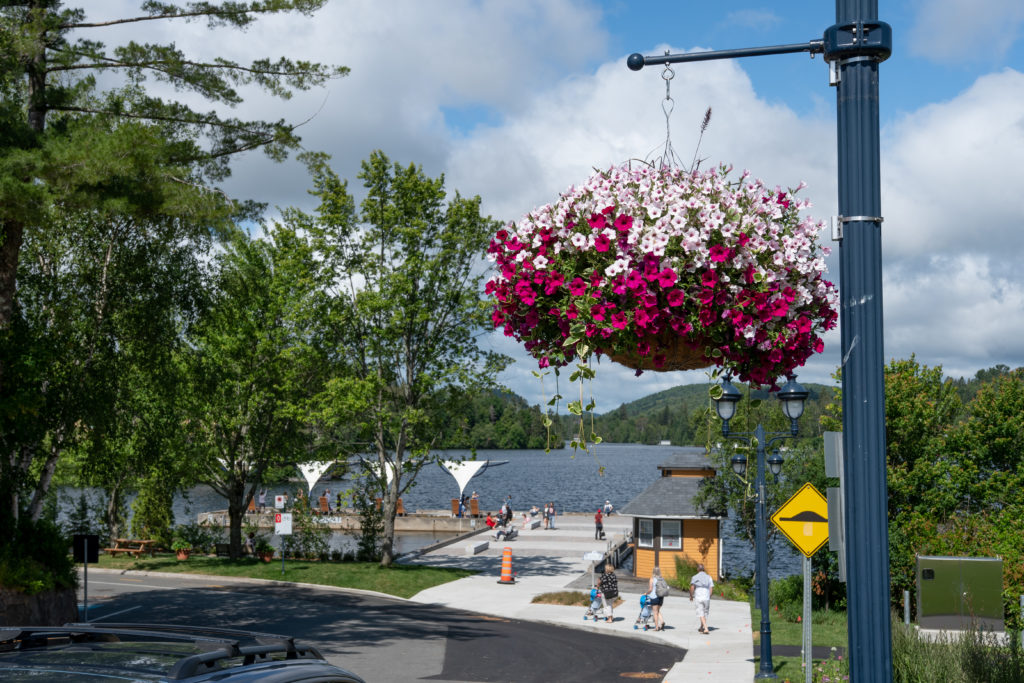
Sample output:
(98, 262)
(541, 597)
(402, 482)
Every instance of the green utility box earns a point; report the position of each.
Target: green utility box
(960, 593)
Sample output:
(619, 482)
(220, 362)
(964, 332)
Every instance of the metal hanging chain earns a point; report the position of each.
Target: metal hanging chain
(669, 159)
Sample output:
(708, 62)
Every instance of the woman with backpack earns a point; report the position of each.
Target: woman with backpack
(657, 590)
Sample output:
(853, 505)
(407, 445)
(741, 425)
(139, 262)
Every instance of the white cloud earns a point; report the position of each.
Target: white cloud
(951, 173)
(955, 312)
(951, 195)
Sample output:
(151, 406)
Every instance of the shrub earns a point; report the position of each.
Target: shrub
(34, 558)
(310, 535)
(787, 597)
(202, 538)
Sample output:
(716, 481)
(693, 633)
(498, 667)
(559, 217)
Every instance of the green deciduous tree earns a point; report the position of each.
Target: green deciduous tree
(70, 152)
(249, 366)
(406, 303)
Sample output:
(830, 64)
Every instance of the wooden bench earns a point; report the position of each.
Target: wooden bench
(130, 546)
(474, 507)
(400, 508)
(455, 507)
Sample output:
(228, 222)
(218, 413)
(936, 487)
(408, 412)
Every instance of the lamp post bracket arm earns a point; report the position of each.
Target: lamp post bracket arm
(636, 61)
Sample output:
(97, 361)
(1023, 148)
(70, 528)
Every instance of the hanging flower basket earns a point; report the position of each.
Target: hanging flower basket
(665, 269)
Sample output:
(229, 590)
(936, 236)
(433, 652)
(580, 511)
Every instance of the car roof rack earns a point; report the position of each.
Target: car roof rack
(251, 647)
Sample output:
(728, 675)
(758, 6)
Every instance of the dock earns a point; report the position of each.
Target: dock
(440, 521)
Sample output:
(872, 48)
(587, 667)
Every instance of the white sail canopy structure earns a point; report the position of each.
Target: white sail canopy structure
(312, 471)
(464, 470)
(389, 471)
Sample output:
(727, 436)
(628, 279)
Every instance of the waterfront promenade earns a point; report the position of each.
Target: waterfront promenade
(546, 561)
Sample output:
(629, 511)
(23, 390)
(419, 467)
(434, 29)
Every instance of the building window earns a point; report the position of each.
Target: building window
(671, 538)
(646, 533)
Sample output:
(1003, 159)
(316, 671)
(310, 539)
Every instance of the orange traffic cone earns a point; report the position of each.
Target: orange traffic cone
(506, 568)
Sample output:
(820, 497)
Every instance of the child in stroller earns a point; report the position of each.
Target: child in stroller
(596, 609)
(644, 617)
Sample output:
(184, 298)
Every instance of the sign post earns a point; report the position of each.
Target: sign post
(282, 527)
(804, 521)
(85, 548)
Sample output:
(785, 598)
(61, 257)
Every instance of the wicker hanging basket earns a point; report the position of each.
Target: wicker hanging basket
(679, 355)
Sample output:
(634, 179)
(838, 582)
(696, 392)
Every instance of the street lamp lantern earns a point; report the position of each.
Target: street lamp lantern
(792, 397)
(725, 404)
(775, 463)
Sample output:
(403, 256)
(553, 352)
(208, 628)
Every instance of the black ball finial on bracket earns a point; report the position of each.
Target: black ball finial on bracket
(635, 61)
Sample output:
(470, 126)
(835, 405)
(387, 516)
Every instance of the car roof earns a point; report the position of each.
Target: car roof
(147, 652)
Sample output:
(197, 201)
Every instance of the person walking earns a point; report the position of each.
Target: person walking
(552, 506)
(598, 526)
(609, 584)
(701, 586)
(547, 515)
(657, 589)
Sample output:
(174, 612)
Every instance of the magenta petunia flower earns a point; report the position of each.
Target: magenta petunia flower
(623, 223)
(667, 278)
(602, 243)
(719, 254)
(577, 287)
(676, 297)
(634, 280)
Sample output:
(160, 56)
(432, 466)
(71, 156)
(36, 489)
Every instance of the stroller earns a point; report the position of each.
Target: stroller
(644, 617)
(596, 609)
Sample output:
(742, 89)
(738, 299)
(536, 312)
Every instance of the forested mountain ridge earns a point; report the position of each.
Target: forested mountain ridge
(678, 415)
(505, 420)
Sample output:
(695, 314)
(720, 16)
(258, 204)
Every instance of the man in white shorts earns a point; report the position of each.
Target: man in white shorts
(701, 586)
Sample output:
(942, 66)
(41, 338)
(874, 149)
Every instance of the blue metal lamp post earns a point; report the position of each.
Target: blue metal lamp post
(792, 397)
(854, 47)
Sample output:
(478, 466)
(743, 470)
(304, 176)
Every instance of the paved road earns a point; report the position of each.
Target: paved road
(380, 638)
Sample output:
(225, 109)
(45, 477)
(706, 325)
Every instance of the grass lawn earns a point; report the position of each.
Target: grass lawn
(400, 580)
(827, 629)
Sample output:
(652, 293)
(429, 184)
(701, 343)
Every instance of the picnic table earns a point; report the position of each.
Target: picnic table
(130, 546)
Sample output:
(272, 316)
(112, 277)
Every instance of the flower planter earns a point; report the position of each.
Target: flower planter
(663, 269)
(182, 554)
(266, 557)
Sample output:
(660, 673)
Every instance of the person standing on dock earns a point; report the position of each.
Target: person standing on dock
(263, 500)
(598, 526)
(508, 509)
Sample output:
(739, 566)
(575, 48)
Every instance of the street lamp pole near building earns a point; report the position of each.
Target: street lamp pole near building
(853, 48)
(792, 396)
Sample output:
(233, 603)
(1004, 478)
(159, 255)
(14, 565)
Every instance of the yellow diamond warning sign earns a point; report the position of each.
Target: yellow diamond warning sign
(804, 519)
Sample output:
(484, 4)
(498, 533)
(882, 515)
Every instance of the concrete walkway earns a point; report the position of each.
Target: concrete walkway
(546, 561)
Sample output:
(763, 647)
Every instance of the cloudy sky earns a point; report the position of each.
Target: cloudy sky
(517, 100)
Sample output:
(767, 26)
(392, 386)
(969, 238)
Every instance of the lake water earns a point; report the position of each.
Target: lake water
(575, 483)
